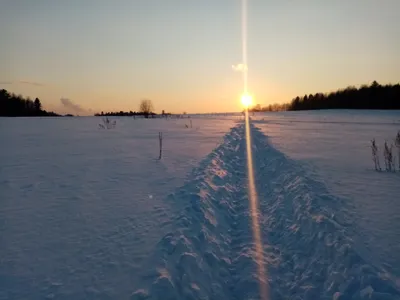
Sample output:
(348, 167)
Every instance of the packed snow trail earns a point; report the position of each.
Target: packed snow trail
(210, 254)
(213, 240)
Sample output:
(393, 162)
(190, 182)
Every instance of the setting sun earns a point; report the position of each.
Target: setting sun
(246, 100)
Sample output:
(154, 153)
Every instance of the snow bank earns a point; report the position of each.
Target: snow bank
(91, 214)
(334, 147)
(210, 252)
(81, 208)
(311, 252)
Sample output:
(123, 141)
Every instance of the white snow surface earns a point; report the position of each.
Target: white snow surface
(87, 213)
(335, 148)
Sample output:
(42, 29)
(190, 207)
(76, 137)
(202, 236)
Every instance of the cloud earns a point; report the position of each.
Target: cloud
(23, 82)
(31, 82)
(71, 106)
(239, 67)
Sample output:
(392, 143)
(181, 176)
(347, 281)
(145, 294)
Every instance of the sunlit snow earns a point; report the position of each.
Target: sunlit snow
(87, 213)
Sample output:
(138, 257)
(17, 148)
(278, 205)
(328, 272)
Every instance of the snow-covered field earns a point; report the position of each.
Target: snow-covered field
(87, 213)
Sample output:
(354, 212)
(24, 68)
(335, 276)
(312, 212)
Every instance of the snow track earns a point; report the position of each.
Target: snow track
(210, 252)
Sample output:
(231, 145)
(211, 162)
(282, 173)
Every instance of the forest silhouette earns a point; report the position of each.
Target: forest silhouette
(12, 105)
(374, 96)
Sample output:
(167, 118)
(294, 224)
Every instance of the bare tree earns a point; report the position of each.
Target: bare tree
(146, 107)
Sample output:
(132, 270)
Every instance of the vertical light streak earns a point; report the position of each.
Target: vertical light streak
(244, 44)
(252, 192)
(254, 210)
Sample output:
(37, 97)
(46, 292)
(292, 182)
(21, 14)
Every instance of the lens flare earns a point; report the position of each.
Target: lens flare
(252, 191)
(255, 212)
(247, 100)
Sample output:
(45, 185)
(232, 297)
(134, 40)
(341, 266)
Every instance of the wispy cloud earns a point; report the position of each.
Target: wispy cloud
(239, 67)
(22, 82)
(73, 107)
(31, 82)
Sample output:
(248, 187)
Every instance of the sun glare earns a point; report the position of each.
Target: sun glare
(246, 100)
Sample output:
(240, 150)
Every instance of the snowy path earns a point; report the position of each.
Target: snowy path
(209, 253)
(308, 253)
(91, 215)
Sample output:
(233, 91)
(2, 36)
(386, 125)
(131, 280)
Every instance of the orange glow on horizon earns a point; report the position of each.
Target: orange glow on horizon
(247, 100)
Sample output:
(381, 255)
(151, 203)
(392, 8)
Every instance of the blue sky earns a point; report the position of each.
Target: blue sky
(108, 55)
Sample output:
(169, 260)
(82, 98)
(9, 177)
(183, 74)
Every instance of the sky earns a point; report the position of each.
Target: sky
(94, 55)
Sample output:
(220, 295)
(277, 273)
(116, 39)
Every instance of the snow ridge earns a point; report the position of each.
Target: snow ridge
(213, 241)
(210, 254)
(310, 254)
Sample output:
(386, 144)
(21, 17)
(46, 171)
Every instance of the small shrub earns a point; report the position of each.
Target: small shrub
(375, 156)
(397, 144)
(388, 154)
(107, 124)
(160, 138)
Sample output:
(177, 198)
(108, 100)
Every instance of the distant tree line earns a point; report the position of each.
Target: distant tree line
(12, 105)
(125, 114)
(374, 96)
(146, 109)
(271, 107)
